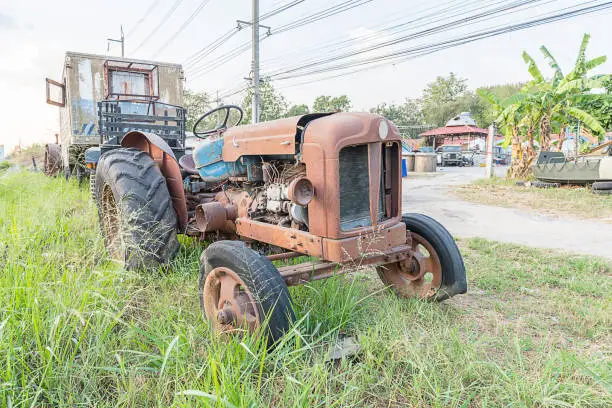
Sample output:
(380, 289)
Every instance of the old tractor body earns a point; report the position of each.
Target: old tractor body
(326, 186)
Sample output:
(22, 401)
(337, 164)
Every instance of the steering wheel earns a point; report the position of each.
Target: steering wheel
(221, 125)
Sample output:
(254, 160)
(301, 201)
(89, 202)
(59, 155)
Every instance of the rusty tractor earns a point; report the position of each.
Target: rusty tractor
(326, 186)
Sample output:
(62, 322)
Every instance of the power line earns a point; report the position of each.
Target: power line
(158, 26)
(320, 15)
(415, 52)
(182, 27)
(445, 26)
(331, 11)
(208, 49)
(280, 9)
(414, 17)
(143, 18)
(419, 19)
(423, 21)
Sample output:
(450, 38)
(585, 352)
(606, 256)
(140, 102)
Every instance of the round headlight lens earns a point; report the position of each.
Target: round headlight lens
(383, 129)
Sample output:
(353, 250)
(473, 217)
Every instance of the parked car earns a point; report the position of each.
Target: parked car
(449, 155)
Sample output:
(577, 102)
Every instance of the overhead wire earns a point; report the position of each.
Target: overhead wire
(210, 48)
(418, 51)
(416, 15)
(181, 28)
(328, 12)
(142, 19)
(164, 19)
(444, 26)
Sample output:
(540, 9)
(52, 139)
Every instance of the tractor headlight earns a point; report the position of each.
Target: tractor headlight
(383, 129)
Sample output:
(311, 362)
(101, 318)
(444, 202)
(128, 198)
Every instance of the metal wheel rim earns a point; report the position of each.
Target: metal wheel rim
(228, 303)
(420, 276)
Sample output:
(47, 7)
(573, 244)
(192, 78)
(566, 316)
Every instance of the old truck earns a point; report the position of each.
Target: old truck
(102, 97)
(324, 186)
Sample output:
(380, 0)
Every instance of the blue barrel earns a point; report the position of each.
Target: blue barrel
(404, 168)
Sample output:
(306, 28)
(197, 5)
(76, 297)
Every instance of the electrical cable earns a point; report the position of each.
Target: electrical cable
(158, 26)
(142, 19)
(181, 28)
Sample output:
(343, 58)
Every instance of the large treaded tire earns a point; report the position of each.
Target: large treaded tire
(261, 278)
(135, 210)
(602, 187)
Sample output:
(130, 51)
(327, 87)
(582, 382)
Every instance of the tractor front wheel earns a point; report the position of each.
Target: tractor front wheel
(135, 210)
(241, 290)
(435, 271)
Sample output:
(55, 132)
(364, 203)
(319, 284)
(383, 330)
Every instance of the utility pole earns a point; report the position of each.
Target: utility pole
(489, 158)
(255, 26)
(256, 96)
(122, 41)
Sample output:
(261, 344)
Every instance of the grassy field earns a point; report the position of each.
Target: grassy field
(575, 202)
(77, 330)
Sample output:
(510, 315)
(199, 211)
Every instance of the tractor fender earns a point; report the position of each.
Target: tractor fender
(162, 154)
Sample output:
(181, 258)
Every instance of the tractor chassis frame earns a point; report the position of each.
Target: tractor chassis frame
(312, 271)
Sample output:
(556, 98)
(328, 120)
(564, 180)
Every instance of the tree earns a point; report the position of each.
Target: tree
(326, 103)
(197, 104)
(599, 104)
(408, 113)
(273, 104)
(297, 110)
(485, 113)
(544, 105)
(445, 98)
(555, 100)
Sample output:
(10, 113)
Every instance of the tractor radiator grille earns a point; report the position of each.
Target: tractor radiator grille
(354, 188)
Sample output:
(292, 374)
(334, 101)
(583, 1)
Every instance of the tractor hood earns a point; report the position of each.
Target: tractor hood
(278, 137)
(265, 138)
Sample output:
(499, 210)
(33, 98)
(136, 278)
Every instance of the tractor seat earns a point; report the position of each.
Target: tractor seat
(187, 164)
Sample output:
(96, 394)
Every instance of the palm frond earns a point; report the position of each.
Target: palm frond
(533, 67)
(582, 51)
(595, 62)
(579, 85)
(489, 97)
(588, 120)
(552, 62)
(514, 99)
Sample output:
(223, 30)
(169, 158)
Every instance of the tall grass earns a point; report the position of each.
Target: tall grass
(77, 330)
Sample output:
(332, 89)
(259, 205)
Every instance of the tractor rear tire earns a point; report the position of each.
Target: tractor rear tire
(135, 210)
(258, 294)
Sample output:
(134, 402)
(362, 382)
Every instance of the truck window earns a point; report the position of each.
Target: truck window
(129, 83)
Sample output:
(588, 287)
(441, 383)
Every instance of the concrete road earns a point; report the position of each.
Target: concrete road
(430, 195)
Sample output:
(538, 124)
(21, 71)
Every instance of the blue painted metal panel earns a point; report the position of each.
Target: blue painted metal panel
(208, 160)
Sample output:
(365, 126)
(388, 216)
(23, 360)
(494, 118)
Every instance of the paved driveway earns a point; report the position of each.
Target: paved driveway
(430, 195)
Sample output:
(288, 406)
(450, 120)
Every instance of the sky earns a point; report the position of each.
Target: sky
(34, 36)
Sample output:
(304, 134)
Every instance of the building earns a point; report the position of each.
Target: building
(460, 130)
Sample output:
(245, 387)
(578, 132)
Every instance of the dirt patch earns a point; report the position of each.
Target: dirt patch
(566, 201)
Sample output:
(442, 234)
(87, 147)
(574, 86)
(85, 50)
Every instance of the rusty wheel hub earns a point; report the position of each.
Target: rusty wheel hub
(228, 303)
(419, 276)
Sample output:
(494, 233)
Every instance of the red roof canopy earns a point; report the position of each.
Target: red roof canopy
(455, 130)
